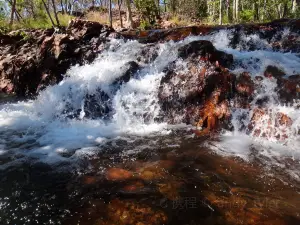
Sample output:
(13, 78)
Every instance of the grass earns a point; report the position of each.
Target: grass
(43, 22)
(97, 16)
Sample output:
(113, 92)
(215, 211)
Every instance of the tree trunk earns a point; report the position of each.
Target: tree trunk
(120, 13)
(264, 11)
(213, 11)
(110, 13)
(165, 5)
(221, 13)
(294, 6)
(48, 13)
(233, 11)
(237, 10)
(228, 10)
(55, 13)
(129, 15)
(13, 9)
(62, 7)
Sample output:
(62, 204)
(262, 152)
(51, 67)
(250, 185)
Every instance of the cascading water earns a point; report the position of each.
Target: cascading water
(94, 109)
(58, 121)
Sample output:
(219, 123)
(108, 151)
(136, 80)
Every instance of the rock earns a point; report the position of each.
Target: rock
(206, 50)
(289, 88)
(27, 55)
(273, 71)
(130, 69)
(270, 125)
(118, 174)
(134, 187)
(185, 94)
(245, 85)
(84, 29)
(97, 105)
(130, 212)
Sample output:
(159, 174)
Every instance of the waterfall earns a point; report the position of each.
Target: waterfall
(88, 107)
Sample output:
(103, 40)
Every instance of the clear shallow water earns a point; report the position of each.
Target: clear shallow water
(49, 146)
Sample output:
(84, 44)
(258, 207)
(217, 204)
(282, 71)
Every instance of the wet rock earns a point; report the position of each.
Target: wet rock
(187, 90)
(97, 105)
(118, 174)
(130, 212)
(273, 71)
(170, 190)
(270, 125)
(206, 50)
(134, 187)
(289, 88)
(245, 85)
(130, 69)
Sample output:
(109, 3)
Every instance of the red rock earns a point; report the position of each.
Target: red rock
(266, 124)
(245, 85)
(118, 174)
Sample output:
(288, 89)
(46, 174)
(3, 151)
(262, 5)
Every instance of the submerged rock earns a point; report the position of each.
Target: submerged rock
(129, 212)
(118, 174)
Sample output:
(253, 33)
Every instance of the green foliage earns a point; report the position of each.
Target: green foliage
(145, 25)
(148, 10)
(246, 15)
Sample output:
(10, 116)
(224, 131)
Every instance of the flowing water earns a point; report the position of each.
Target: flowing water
(55, 154)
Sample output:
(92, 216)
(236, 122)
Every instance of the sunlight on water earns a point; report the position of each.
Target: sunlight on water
(57, 122)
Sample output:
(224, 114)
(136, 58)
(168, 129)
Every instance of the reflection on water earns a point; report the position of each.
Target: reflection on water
(179, 183)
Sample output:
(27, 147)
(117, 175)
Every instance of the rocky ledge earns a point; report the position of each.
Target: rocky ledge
(33, 59)
(202, 93)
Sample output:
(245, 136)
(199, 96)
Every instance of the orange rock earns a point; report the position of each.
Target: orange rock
(266, 124)
(117, 174)
(89, 180)
(130, 212)
(134, 186)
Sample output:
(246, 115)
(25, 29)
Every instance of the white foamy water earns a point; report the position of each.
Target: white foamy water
(57, 122)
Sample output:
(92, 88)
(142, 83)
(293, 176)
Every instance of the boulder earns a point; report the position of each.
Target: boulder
(198, 93)
(206, 50)
(273, 71)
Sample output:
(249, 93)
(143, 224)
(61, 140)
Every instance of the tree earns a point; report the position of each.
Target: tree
(129, 15)
(110, 14)
(48, 12)
(120, 13)
(55, 13)
(13, 9)
(220, 13)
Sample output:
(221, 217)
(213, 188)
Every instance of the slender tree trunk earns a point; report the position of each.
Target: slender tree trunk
(110, 13)
(48, 13)
(13, 9)
(62, 7)
(264, 10)
(129, 15)
(165, 5)
(55, 13)
(237, 10)
(120, 13)
(221, 13)
(233, 11)
(214, 11)
(228, 10)
(294, 6)
(18, 15)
